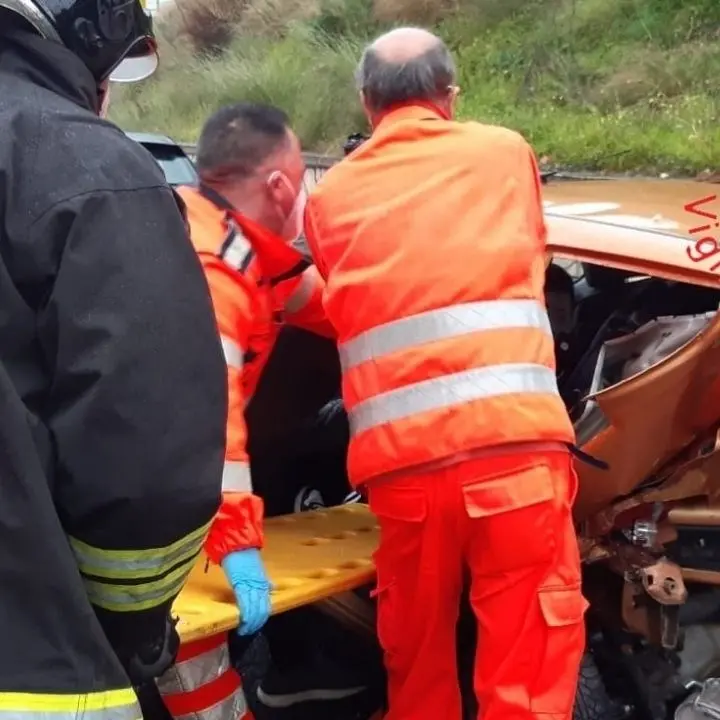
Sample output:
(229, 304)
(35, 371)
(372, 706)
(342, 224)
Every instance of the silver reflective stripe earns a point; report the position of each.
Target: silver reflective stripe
(79, 712)
(449, 390)
(237, 251)
(136, 564)
(137, 597)
(233, 707)
(31, 711)
(441, 324)
(195, 672)
(116, 713)
(233, 352)
(236, 477)
(303, 292)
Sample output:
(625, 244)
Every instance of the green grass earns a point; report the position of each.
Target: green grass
(596, 84)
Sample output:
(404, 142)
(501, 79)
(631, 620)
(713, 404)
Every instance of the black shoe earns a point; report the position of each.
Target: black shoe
(308, 499)
(316, 681)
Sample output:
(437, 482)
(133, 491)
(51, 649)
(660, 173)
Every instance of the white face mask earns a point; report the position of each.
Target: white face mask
(293, 225)
(296, 219)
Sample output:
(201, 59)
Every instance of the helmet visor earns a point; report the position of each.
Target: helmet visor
(140, 63)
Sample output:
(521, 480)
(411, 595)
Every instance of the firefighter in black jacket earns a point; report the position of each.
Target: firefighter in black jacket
(112, 379)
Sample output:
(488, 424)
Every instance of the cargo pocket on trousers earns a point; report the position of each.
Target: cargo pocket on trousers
(518, 518)
(563, 610)
(401, 512)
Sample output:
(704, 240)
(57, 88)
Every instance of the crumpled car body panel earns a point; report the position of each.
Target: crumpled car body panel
(657, 420)
(642, 422)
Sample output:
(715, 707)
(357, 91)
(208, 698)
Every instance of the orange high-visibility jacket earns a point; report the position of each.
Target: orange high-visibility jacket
(432, 242)
(257, 282)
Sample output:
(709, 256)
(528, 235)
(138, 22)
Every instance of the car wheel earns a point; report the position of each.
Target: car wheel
(592, 701)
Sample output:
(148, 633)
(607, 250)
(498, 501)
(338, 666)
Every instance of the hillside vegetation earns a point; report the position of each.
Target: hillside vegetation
(594, 84)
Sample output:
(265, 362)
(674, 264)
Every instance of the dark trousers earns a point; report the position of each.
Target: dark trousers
(313, 456)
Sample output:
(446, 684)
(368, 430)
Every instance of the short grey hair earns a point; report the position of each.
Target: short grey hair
(386, 82)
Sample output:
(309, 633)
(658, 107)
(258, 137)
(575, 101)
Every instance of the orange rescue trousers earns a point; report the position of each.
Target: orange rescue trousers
(507, 519)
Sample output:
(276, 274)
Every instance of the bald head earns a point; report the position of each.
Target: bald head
(403, 65)
(405, 44)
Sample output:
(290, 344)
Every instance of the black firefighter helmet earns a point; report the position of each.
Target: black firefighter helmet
(114, 38)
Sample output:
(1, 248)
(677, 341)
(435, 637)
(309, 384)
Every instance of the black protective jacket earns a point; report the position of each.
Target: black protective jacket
(112, 387)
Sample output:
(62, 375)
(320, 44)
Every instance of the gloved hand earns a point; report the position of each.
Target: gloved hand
(245, 572)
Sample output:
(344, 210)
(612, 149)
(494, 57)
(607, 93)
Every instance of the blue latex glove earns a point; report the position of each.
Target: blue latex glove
(245, 572)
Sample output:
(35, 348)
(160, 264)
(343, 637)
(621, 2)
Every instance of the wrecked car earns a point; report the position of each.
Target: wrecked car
(633, 290)
(170, 156)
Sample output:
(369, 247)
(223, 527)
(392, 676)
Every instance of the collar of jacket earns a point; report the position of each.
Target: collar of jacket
(49, 65)
(278, 260)
(417, 110)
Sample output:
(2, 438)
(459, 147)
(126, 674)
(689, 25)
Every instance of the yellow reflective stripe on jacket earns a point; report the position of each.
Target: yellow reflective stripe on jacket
(107, 705)
(137, 596)
(137, 564)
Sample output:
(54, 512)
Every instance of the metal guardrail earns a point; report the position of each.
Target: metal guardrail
(316, 164)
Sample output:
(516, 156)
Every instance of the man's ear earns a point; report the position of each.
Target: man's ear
(452, 100)
(274, 181)
(368, 112)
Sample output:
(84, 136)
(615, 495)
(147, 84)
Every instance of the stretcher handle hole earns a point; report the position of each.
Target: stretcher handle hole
(344, 535)
(310, 515)
(287, 584)
(316, 541)
(356, 564)
(322, 574)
